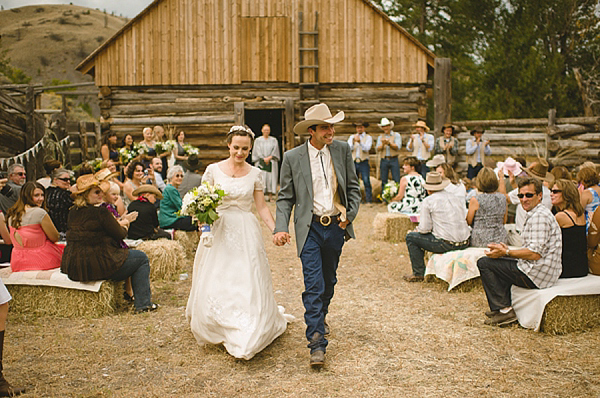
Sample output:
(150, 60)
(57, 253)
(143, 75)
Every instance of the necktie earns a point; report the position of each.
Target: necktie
(321, 155)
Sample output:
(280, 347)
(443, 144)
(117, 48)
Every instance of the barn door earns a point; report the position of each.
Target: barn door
(266, 49)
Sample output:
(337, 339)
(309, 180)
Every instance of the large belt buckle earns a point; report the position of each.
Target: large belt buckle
(325, 220)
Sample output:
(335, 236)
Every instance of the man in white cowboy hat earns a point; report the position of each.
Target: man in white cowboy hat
(477, 149)
(388, 148)
(447, 144)
(361, 143)
(421, 144)
(318, 181)
(442, 225)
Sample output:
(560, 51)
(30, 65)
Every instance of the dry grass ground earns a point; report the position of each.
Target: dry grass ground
(389, 338)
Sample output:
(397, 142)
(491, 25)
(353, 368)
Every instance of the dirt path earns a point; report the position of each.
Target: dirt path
(389, 338)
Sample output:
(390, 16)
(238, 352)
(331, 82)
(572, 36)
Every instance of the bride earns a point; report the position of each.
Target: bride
(232, 301)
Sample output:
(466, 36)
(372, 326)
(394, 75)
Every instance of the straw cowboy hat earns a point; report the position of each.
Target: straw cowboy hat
(436, 161)
(510, 165)
(105, 174)
(385, 122)
(448, 125)
(435, 182)
(360, 123)
(477, 129)
(147, 188)
(539, 170)
(422, 124)
(317, 114)
(192, 163)
(88, 181)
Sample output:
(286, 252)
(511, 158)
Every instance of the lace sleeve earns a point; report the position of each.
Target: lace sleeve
(259, 183)
(208, 174)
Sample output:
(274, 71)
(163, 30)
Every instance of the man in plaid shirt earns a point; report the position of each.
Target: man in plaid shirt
(535, 266)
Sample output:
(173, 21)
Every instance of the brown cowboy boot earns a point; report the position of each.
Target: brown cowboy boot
(6, 390)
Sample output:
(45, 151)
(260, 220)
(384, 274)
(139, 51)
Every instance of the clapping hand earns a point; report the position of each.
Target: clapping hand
(131, 217)
(497, 250)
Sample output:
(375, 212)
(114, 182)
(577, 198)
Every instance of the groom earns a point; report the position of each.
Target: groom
(319, 179)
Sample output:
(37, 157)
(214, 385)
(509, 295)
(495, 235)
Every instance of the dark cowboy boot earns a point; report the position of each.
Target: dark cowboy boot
(6, 390)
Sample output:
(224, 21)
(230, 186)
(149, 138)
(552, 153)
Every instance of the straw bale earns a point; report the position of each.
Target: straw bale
(464, 287)
(375, 188)
(189, 241)
(67, 303)
(392, 227)
(566, 314)
(167, 258)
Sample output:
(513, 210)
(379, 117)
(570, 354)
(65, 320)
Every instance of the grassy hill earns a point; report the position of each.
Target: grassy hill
(48, 41)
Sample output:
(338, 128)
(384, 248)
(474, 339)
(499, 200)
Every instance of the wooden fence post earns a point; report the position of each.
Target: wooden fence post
(289, 141)
(442, 93)
(551, 129)
(29, 130)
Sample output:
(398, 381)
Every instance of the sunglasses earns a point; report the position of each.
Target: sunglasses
(66, 179)
(20, 174)
(178, 175)
(555, 191)
(525, 195)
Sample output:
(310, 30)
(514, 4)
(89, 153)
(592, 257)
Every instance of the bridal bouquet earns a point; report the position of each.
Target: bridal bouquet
(201, 204)
(96, 164)
(390, 190)
(190, 149)
(166, 146)
(127, 155)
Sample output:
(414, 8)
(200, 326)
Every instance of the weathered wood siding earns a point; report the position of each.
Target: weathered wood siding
(231, 41)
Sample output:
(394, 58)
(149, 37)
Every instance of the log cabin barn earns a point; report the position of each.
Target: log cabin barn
(202, 65)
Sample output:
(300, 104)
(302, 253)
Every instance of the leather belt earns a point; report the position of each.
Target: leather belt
(456, 244)
(325, 220)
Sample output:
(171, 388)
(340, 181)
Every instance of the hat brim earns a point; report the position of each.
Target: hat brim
(361, 124)
(147, 188)
(518, 170)
(108, 177)
(472, 132)
(437, 187)
(548, 178)
(104, 186)
(381, 126)
(303, 126)
(190, 167)
(434, 163)
(424, 127)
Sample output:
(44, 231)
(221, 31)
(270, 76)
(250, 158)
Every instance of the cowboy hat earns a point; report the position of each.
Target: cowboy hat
(436, 161)
(147, 188)
(539, 170)
(421, 124)
(510, 165)
(477, 129)
(385, 122)
(317, 114)
(360, 123)
(435, 181)
(448, 125)
(192, 163)
(105, 174)
(88, 181)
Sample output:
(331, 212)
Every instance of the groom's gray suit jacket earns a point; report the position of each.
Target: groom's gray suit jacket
(296, 189)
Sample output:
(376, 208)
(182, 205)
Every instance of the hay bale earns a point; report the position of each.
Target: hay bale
(67, 303)
(167, 258)
(464, 287)
(566, 314)
(392, 227)
(189, 241)
(375, 188)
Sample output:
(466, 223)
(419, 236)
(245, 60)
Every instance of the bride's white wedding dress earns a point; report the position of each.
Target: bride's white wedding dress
(231, 300)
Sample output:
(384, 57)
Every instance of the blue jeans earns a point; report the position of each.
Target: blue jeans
(387, 165)
(137, 267)
(497, 277)
(363, 169)
(473, 171)
(417, 243)
(320, 257)
(424, 169)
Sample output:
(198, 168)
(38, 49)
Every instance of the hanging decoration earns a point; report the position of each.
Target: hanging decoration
(29, 154)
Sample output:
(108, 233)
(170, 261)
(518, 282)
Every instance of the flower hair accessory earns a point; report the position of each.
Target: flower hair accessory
(241, 129)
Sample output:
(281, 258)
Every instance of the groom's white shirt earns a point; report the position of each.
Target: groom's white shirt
(323, 193)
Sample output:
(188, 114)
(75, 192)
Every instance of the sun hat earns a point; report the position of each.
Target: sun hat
(385, 122)
(359, 122)
(192, 163)
(147, 188)
(422, 124)
(435, 182)
(105, 174)
(436, 161)
(477, 129)
(539, 170)
(317, 114)
(510, 165)
(88, 181)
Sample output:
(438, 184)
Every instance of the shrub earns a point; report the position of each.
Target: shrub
(44, 61)
(26, 23)
(55, 37)
(39, 9)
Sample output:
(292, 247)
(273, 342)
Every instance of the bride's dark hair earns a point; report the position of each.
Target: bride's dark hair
(242, 131)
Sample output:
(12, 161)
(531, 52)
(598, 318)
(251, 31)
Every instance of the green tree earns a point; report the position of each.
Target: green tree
(15, 75)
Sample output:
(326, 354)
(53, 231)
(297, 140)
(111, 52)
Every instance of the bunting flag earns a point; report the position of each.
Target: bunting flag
(29, 154)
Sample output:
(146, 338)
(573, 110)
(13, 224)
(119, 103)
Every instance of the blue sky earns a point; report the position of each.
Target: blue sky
(127, 8)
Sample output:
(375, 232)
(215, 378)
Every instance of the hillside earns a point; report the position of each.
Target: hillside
(49, 41)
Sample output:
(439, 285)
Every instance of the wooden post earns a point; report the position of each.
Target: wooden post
(83, 140)
(551, 129)
(29, 130)
(238, 113)
(442, 93)
(288, 134)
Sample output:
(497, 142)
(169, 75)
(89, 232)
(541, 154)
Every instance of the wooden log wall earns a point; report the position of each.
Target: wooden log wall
(206, 113)
(12, 126)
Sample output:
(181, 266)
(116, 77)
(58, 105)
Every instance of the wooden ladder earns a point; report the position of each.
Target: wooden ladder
(309, 88)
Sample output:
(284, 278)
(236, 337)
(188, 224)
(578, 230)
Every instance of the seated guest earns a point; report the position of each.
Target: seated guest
(487, 211)
(5, 246)
(32, 232)
(171, 203)
(590, 197)
(442, 227)
(455, 187)
(536, 266)
(111, 196)
(571, 219)
(146, 225)
(192, 176)
(93, 252)
(593, 244)
(411, 191)
(157, 166)
(59, 200)
(10, 192)
(137, 176)
(49, 166)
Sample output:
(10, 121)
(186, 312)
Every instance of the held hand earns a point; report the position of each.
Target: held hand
(267, 159)
(497, 250)
(281, 238)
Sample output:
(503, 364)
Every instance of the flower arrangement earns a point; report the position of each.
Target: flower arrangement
(390, 190)
(190, 150)
(164, 146)
(201, 203)
(96, 164)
